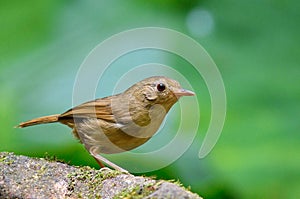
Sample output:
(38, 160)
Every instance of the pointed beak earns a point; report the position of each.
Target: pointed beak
(182, 92)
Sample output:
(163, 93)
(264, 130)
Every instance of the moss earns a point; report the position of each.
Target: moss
(6, 160)
(139, 191)
(53, 158)
(90, 177)
(42, 169)
(142, 191)
(3, 158)
(178, 183)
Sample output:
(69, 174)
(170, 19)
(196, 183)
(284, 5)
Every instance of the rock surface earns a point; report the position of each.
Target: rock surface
(24, 177)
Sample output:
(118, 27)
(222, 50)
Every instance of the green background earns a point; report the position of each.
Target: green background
(255, 45)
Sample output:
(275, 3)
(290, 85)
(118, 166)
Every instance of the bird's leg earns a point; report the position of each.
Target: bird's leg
(100, 163)
(94, 152)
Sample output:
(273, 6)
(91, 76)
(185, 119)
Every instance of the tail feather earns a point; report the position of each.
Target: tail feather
(40, 120)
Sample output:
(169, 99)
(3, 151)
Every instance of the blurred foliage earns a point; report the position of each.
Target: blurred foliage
(254, 43)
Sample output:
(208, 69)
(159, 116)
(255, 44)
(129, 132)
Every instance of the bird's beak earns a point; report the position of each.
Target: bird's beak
(182, 92)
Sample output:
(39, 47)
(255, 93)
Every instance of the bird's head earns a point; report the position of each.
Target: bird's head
(159, 90)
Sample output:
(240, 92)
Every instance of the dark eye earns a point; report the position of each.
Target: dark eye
(161, 87)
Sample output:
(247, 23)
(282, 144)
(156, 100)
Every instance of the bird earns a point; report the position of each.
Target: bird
(120, 122)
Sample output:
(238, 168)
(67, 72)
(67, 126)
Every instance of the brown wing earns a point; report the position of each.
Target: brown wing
(100, 108)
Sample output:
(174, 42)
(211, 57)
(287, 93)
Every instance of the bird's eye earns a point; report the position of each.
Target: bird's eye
(161, 87)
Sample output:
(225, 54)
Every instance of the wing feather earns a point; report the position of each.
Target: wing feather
(99, 108)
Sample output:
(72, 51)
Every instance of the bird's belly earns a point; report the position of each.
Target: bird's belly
(115, 138)
(130, 136)
(121, 142)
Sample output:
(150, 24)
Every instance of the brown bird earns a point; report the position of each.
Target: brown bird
(120, 122)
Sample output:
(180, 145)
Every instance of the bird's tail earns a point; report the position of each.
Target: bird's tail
(40, 120)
